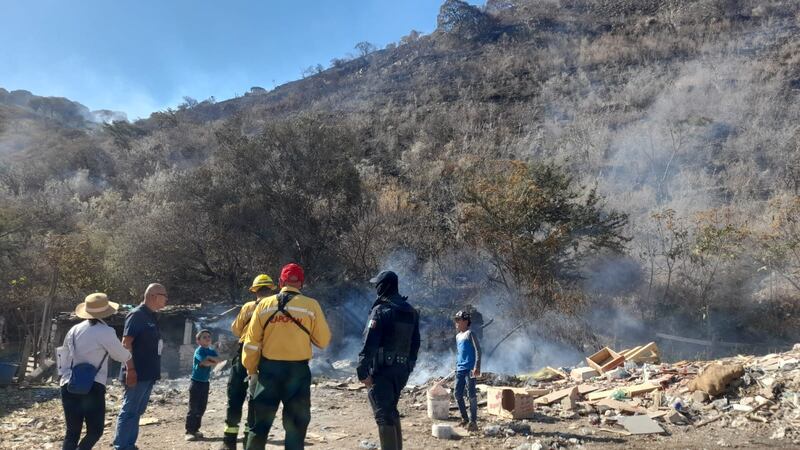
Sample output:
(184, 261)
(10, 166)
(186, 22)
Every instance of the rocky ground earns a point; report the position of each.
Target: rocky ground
(758, 409)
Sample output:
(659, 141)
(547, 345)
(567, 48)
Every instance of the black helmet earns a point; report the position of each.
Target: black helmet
(463, 315)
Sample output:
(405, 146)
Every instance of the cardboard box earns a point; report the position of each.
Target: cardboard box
(509, 402)
(605, 359)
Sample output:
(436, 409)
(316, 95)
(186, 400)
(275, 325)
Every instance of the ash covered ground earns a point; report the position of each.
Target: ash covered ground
(758, 406)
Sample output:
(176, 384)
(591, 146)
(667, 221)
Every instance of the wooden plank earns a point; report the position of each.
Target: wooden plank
(584, 389)
(704, 342)
(648, 351)
(535, 393)
(621, 406)
(556, 396)
(630, 391)
(640, 389)
(625, 353)
(600, 394)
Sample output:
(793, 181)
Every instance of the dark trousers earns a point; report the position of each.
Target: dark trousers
(465, 382)
(237, 393)
(198, 399)
(287, 382)
(79, 409)
(384, 394)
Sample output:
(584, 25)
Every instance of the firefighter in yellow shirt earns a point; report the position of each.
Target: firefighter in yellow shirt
(263, 287)
(277, 348)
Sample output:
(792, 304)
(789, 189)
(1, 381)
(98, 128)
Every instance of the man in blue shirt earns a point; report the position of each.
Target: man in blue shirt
(204, 358)
(142, 338)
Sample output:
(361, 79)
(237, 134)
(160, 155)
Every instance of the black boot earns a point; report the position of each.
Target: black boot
(228, 442)
(398, 431)
(388, 435)
(255, 442)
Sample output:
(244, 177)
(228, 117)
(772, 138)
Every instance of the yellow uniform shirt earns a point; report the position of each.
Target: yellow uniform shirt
(283, 340)
(239, 326)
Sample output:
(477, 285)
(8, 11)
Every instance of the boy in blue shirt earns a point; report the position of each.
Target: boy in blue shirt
(204, 358)
(468, 366)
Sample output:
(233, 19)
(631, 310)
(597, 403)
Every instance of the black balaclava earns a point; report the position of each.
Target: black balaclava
(386, 283)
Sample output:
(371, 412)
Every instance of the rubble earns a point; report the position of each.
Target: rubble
(738, 392)
(754, 396)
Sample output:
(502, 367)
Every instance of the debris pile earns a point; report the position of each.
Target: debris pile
(631, 392)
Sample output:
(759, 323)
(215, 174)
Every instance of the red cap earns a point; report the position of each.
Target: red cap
(292, 273)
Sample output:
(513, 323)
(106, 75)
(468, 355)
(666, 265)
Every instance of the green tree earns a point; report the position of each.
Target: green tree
(537, 227)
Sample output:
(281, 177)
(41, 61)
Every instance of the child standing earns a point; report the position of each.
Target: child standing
(204, 358)
(468, 366)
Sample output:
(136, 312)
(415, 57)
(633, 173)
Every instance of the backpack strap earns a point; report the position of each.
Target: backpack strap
(72, 354)
(283, 299)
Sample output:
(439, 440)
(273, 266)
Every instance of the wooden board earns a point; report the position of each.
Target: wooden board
(600, 394)
(584, 389)
(640, 389)
(621, 406)
(558, 395)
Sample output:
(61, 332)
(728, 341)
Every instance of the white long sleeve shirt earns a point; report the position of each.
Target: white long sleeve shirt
(91, 344)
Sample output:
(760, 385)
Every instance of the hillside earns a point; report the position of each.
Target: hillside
(585, 165)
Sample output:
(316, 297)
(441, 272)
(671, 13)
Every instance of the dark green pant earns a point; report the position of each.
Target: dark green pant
(287, 382)
(237, 392)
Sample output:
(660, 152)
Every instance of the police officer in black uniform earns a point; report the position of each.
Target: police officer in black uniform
(389, 353)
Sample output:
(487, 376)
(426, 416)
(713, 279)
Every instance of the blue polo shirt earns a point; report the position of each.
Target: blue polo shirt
(200, 373)
(141, 324)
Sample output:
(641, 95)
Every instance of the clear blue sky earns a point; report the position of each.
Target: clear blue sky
(145, 55)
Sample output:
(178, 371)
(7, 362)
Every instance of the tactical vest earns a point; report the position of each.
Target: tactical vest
(395, 345)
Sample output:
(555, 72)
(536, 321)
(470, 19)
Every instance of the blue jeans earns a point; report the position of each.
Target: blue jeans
(463, 379)
(134, 404)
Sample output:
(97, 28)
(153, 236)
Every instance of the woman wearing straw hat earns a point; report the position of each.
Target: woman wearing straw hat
(93, 342)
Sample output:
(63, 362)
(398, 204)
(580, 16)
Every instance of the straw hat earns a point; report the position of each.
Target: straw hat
(96, 306)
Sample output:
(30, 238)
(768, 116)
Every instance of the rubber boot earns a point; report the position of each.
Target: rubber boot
(388, 435)
(398, 431)
(244, 438)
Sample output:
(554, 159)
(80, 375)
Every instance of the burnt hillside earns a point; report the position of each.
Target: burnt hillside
(589, 159)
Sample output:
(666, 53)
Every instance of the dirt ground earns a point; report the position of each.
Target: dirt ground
(31, 418)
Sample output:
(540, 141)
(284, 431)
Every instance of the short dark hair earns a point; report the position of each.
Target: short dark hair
(264, 290)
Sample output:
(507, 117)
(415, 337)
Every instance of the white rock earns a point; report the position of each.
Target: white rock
(780, 433)
(492, 430)
(441, 431)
